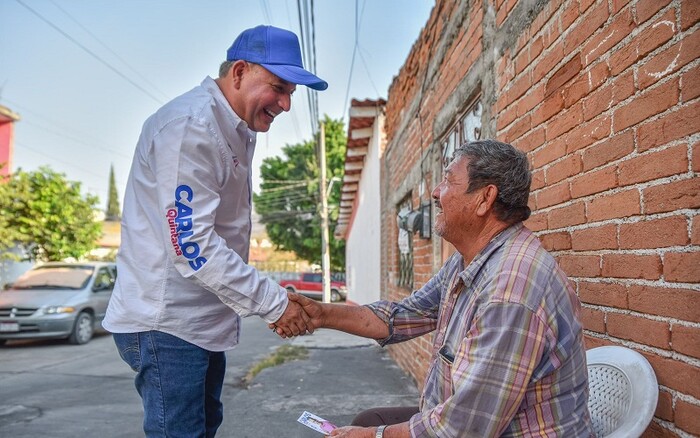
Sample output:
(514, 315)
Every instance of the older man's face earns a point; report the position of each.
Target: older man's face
(454, 207)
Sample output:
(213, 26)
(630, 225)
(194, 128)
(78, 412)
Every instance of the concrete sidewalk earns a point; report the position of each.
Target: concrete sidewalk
(342, 376)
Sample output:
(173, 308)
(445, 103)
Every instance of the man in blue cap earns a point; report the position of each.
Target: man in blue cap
(184, 281)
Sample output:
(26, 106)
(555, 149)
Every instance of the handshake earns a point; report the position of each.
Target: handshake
(301, 316)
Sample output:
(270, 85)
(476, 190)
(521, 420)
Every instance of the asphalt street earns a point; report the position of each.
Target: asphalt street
(53, 389)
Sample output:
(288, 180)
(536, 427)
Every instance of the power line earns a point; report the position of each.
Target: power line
(91, 53)
(133, 70)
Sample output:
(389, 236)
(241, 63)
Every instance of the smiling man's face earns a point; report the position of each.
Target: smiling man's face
(263, 97)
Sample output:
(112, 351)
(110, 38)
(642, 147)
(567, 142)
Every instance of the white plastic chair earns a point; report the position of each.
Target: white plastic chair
(623, 392)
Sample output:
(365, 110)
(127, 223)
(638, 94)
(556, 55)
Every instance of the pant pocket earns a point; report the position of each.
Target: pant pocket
(129, 349)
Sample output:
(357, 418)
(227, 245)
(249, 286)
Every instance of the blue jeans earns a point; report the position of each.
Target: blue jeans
(179, 383)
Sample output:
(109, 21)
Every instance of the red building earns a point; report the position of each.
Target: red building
(7, 121)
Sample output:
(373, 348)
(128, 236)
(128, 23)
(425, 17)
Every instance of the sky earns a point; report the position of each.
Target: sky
(85, 74)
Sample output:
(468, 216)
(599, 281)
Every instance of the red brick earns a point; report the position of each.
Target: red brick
(646, 267)
(603, 294)
(593, 319)
(695, 232)
(547, 62)
(537, 222)
(595, 238)
(696, 157)
(608, 150)
(563, 169)
(683, 267)
(690, 84)
(573, 214)
(556, 241)
(553, 195)
(686, 340)
(588, 133)
(591, 21)
(647, 8)
(670, 126)
(530, 141)
(623, 87)
(617, 5)
(537, 181)
(667, 162)
(664, 407)
(670, 60)
(564, 74)
(621, 26)
(655, 430)
(517, 129)
(623, 57)
(505, 117)
(580, 265)
(688, 417)
(677, 375)
(530, 100)
(638, 329)
(656, 34)
(597, 102)
(518, 87)
(669, 302)
(690, 13)
(645, 105)
(614, 206)
(550, 152)
(576, 90)
(675, 195)
(594, 182)
(655, 233)
(564, 121)
(552, 105)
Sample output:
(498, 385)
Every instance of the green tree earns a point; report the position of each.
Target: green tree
(46, 216)
(113, 212)
(289, 203)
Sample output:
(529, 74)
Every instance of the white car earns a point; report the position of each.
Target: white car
(57, 300)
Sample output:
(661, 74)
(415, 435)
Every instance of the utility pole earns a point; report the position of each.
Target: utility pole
(325, 253)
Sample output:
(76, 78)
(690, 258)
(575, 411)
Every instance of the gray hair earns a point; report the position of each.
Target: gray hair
(500, 164)
(224, 68)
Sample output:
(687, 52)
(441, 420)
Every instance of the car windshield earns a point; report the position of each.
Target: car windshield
(55, 277)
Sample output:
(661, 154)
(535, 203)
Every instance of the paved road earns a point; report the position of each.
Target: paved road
(53, 389)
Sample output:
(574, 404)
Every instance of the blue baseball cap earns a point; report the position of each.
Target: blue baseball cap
(278, 51)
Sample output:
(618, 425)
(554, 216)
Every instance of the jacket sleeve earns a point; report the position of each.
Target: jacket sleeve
(187, 158)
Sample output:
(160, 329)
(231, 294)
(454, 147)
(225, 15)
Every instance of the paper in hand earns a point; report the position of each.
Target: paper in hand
(316, 423)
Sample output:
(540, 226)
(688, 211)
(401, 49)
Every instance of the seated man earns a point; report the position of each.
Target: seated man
(508, 356)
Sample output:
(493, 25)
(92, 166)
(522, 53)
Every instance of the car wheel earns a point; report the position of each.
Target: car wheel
(3, 341)
(335, 296)
(82, 330)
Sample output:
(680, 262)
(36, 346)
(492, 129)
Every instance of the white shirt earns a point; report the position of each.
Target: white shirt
(182, 265)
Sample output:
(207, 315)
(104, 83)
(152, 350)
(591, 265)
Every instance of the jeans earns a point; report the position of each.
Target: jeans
(179, 383)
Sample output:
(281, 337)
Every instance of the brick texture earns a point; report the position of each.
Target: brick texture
(604, 98)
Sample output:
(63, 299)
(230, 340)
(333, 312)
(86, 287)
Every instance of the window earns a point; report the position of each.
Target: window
(405, 242)
(467, 128)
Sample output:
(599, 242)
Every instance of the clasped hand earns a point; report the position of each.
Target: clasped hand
(301, 316)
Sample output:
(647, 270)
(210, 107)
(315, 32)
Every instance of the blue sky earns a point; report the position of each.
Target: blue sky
(79, 115)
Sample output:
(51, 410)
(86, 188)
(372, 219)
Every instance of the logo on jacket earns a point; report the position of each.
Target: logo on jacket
(180, 223)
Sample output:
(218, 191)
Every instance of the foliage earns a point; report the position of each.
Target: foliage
(46, 216)
(113, 212)
(284, 353)
(289, 202)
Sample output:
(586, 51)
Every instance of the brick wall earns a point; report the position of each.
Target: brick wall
(603, 96)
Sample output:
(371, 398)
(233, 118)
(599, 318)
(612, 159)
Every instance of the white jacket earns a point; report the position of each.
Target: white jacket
(182, 265)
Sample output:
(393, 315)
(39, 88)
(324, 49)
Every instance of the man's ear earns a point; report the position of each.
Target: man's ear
(237, 71)
(487, 199)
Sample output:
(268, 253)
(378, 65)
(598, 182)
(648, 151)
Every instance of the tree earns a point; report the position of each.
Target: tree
(113, 212)
(46, 216)
(289, 199)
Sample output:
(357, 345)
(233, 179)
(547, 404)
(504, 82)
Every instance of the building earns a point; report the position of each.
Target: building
(7, 126)
(603, 96)
(360, 204)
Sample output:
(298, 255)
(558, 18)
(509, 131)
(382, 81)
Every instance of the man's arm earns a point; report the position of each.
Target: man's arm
(399, 430)
(356, 320)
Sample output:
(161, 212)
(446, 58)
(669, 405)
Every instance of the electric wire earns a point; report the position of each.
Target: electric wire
(116, 55)
(91, 53)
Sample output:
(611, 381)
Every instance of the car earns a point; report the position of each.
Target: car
(310, 284)
(57, 300)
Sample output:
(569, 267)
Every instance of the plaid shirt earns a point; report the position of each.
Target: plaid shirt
(508, 356)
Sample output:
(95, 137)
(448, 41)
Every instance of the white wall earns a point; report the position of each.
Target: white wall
(363, 247)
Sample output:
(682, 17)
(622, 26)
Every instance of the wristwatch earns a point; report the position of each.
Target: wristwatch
(380, 431)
